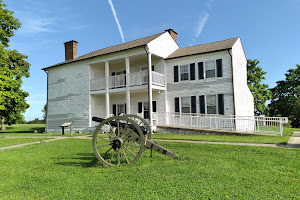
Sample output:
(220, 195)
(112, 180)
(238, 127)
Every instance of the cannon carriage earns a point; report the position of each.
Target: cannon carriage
(123, 139)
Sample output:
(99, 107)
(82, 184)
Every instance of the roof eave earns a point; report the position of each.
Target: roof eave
(72, 61)
(199, 53)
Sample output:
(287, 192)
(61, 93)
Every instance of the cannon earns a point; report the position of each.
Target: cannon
(123, 139)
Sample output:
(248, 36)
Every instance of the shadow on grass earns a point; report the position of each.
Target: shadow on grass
(28, 130)
(85, 160)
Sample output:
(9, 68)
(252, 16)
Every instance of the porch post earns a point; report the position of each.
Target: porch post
(106, 89)
(127, 85)
(150, 89)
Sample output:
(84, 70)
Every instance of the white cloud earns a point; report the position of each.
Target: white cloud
(116, 19)
(201, 24)
(37, 25)
(209, 3)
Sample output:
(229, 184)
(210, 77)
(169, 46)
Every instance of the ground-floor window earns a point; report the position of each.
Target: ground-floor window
(143, 107)
(211, 104)
(185, 105)
(208, 104)
(119, 109)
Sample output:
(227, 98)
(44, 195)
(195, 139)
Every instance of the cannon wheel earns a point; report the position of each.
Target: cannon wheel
(122, 144)
(141, 122)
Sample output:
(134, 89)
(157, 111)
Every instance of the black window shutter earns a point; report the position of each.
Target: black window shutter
(154, 106)
(115, 109)
(219, 68)
(177, 104)
(175, 73)
(202, 104)
(193, 104)
(221, 104)
(200, 70)
(192, 70)
(152, 67)
(113, 73)
(140, 107)
(125, 109)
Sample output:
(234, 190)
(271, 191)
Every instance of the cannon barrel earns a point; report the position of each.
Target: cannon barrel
(121, 124)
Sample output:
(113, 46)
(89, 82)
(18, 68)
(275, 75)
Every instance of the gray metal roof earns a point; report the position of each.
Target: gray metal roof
(112, 49)
(203, 48)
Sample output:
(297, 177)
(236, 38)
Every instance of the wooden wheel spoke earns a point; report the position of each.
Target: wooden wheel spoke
(118, 128)
(112, 155)
(107, 151)
(130, 151)
(110, 129)
(132, 136)
(119, 157)
(127, 134)
(102, 138)
(125, 156)
(134, 145)
(104, 145)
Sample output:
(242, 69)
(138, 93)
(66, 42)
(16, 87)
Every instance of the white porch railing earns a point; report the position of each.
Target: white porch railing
(223, 122)
(136, 78)
(117, 81)
(158, 79)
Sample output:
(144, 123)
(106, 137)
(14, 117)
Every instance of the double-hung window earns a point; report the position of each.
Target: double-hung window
(184, 72)
(210, 69)
(121, 109)
(211, 104)
(185, 105)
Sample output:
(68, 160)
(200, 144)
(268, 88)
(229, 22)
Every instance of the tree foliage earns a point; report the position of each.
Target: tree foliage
(260, 92)
(286, 94)
(13, 67)
(7, 24)
(295, 114)
(45, 112)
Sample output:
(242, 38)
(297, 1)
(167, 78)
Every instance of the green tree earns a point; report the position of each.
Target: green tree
(45, 112)
(13, 67)
(295, 114)
(260, 91)
(286, 95)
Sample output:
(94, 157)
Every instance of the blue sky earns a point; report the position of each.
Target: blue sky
(269, 31)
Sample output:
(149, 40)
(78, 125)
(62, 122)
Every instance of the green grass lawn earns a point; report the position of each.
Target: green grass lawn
(287, 130)
(224, 138)
(4, 142)
(24, 128)
(67, 169)
(28, 130)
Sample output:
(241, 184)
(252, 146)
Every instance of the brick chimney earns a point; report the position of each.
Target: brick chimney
(70, 50)
(172, 33)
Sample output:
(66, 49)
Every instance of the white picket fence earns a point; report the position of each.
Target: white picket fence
(222, 122)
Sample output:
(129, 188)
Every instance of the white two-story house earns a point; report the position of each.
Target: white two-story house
(208, 79)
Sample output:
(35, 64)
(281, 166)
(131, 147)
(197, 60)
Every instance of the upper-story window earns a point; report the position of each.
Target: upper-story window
(184, 72)
(210, 69)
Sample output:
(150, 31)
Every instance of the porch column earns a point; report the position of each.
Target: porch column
(150, 89)
(127, 85)
(166, 94)
(106, 89)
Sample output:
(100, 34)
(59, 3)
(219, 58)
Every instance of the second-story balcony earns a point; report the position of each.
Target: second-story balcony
(119, 81)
